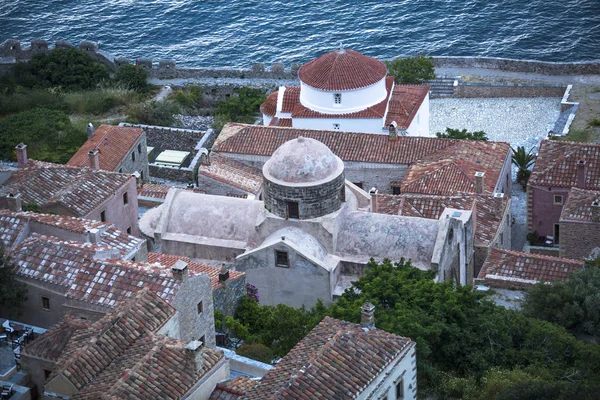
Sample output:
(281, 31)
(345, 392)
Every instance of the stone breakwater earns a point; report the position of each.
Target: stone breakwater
(11, 50)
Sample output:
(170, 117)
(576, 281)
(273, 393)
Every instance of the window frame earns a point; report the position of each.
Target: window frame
(558, 203)
(45, 301)
(282, 255)
(337, 99)
(396, 190)
(400, 389)
(103, 216)
(200, 307)
(133, 156)
(125, 198)
(293, 206)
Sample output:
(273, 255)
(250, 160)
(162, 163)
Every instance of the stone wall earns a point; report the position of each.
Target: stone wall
(579, 239)
(228, 294)
(487, 90)
(171, 174)
(527, 66)
(194, 325)
(166, 138)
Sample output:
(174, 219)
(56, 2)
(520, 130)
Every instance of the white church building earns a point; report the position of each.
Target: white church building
(348, 91)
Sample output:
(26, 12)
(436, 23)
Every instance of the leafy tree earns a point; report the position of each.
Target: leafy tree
(132, 77)
(523, 160)
(462, 134)
(411, 70)
(48, 134)
(243, 107)
(12, 292)
(70, 69)
(574, 303)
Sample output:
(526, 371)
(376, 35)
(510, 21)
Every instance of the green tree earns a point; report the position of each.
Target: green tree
(411, 70)
(242, 107)
(523, 160)
(256, 351)
(13, 293)
(132, 77)
(462, 134)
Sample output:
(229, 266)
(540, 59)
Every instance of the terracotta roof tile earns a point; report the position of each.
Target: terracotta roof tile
(233, 389)
(291, 97)
(285, 122)
(405, 103)
(157, 191)
(336, 360)
(114, 143)
(51, 343)
(556, 164)
(342, 70)
(269, 106)
(232, 172)
(513, 269)
(579, 206)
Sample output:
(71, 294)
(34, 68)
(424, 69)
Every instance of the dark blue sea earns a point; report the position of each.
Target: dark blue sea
(236, 33)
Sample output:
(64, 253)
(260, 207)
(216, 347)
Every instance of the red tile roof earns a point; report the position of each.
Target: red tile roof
(80, 190)
(579, 206)
(114, 143)
(232, 172)
(233, 389)
(556, 164)
(269, 106)
(342, 70)
(291, 97)
(404, 104)
(168, 260)
(156, 191)
(335, 359)
(515, 270)
(286, 122)
(50, 344)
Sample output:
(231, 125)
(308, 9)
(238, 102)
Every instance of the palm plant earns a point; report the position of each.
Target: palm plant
(523, 160)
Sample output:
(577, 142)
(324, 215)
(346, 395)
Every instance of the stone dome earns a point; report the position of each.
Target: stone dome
(303, 161)
(342, 70)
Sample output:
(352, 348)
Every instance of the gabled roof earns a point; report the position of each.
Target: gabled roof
(516, 270)
(336, 360)
(342, 69)
(114, 143)
(79, 190)
(404, 104)
(291, 97)
(579, 206)
(51, 343)
(232, 172)
(269, 106)
(233, 389)
(556, 164)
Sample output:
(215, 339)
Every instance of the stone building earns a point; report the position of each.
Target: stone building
(114, 148)
(311, 235)
(128, 353)
(100, 195)
(580, 225)
(559, 167)
(348, 91)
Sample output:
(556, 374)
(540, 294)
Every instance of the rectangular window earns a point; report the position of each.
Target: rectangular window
(200, 308)
(140, 148)
(281, 259)
(45, 303)
(395, 189)
(142, 176)
(133, 156)
(400, 389)
(556, 234)
(558, 200)
(337, 98)
(103, 216)
(336, 127)
(292, 209)
(502, 239)
(125, 198)
(129, 231)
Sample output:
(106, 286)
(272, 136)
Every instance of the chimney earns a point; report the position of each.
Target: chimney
(94, 159)
(581, 174)
(195, 350)
(596, 211)
(479, 182)
(90, 130)
(94, 236)
(138, 179)
(393, 128)
(367, 316)
(498, 204)
(21, 155)
(180, 271)
(14, 202)
(373, 192)
(224, 275)
(204, 157)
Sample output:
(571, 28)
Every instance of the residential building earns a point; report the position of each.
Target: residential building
(348, 91)
(126, 354)
(580, 225)
(114, 148)
(559, 167)
(72, 191)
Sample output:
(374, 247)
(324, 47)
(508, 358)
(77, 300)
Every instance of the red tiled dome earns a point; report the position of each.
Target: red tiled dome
(342, 70)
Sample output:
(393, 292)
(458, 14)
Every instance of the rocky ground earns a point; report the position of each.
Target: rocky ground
(194, 122)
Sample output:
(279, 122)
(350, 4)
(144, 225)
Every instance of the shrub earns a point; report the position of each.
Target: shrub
(464, 134)
(256, 351)
(97, 101)
(28, 99)
(132, 77)
(595, 122)
(189, 96)
(243, 107)
(154, 113)
(411, 70)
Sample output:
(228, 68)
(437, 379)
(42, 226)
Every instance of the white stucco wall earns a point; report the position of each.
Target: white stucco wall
(352, 100)
(266, 120)
(420, 123)
(384, 386)
(373, 125)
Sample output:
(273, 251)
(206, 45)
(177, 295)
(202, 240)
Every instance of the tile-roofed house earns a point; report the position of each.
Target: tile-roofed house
(559, 167)
(404, 104)
(580, 224)
(75, 191)
(233, 389)
(224, 175)
(124, 355)
(342, 360)
(509, 269)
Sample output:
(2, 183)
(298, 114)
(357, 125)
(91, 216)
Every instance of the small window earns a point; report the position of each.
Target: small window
(142, 175)
(125, 198)
(200, 308)
(292, 209)
(47, 373)
(343, 193)
(502, 239)
(336, 127)
(281, 259)
(45, 303)
(558, 200)
(140, 148)
(337, 98)
(400, 389)
(395, 189)
(556, 234)
(133, 156)
(103, 216)
(129, 231)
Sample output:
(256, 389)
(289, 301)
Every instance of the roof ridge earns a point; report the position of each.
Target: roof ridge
(537, 255)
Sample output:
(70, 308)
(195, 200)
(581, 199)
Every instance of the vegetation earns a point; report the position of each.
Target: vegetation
(411, 70)
(243, 107)
(523, 160)
(132, 77)
(256, 351)
(532, 238)
(153, 113)
(574, 303)
(595, 122)
(462, 134)
(49, 135)
(188, 96)
(13, 293)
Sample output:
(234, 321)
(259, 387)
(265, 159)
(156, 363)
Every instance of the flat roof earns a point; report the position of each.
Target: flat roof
(172, 157)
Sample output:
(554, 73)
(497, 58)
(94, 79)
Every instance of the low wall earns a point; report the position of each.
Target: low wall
(469, 90)
(527, 66)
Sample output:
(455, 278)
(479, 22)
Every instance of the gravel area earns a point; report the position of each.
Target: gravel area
(197, 123)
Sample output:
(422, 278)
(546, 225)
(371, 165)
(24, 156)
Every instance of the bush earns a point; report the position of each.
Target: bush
(132, 77)
(411, 70)
(48, 134)
(243, 107)
(28, 99)
(97, 101)
(464, 134)
(188, 96)
(256, 351)
(595, 122)
(158, 113)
